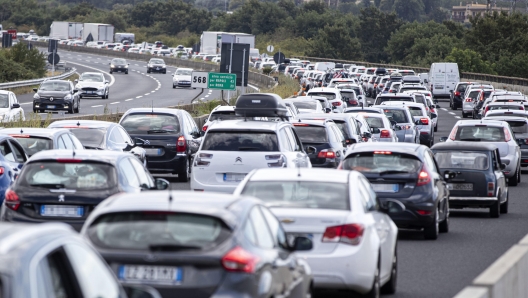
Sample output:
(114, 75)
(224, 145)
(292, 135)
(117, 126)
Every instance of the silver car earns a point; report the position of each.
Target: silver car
(381, 127)
(92, 84)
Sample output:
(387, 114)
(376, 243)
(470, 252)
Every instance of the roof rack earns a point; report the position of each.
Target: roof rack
(261, 105)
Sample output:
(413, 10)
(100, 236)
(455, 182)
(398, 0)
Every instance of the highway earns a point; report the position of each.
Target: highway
(429, 269)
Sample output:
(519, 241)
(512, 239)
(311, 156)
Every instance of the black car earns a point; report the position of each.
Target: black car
(156, 65)
(56, 95)
(119, 65)
(323, 141)
(187, 244)
(170, 137)
(66, 185)
(455, 98)
(474, 176)
(405, 177)
(102, 135)
(34, 140)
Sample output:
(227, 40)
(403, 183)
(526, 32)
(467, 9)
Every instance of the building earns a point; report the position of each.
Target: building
(462, 13)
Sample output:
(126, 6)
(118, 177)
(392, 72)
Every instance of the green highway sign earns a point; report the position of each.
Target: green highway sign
(223, 81)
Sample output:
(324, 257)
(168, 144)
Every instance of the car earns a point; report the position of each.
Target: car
(364, 127)
(519, 127)
(340, 212)
(10, 109)
(333, 95)
(232, 148)
(119, 65)
(325, 103)
(391, 169)
(381, 127)
(92, 84)
(473, 172)
(34, 140)
(305, 105)
(400, 114)
(182, 77)
(323, 142)
(422, 120)
(12, 159)
(517, 112)
(498, 133)
(55, 95)
(457, 97)
(52, 258)
(102, 135)
(469, 102)
(479, 103)
(170, 137)
(360, 93)
(66, 185)
(502, 106)
(156, 65)
(393, 97)
(347, 123)
(199, 245)
(350, 98)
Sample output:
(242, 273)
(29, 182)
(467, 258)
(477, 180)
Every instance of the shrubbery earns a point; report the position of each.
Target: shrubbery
(19, 63)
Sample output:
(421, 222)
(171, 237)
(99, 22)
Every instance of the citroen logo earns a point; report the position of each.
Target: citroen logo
(61, 198)
(151, 258)
(51, 98)
(238, 159)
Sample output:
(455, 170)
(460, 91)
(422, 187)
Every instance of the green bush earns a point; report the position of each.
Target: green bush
(266, 70)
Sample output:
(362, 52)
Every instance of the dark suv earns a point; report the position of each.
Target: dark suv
(455, 99)
(119, 65)
(56, 95)
(156, 65)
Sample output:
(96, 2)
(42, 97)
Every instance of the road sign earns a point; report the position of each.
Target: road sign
(279, 57)
(53, 60)
(223, 81)
(199, 79)
(13, 33)
(270, 48)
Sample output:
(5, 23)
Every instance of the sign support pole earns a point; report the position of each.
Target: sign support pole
(53, 64)
(243, 70)
(230, 63)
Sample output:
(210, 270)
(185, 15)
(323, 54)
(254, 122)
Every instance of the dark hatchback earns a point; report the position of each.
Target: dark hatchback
(188, 244)
(119, 65)
(12, 159)
(455, 100)
(66, 186)
(56, 95)
(170, 138)
(406, 178)
(474, 176)
(34, 140)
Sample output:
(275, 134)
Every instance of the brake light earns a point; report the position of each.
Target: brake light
(382, 152)
(20, 136)
(204, 128)
(491, 188)
(457, 93)
(181, 144)
(353, 102)
(326, 153)
(68, 160)
(349, 234)
(423, 177)
(239, 260)
(424, 212)
(487, 109)
(507, 136)
(424, 121)
(336, 104)
(469, 99)
(11, 200)
(385, 133)
(2, 170)
(453, 133)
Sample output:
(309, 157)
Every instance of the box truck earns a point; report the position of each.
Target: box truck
(125, 38)
(66, 30)
(443, 78)
(211, 41)
(98, 32)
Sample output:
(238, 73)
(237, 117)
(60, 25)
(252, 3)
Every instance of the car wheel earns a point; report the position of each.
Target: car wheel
(148, 70)
(376, 287)
(126, 72)
(80, 96)
(444, 224)
(184, 175)
(464, 115)
(436, 127)
(42, 111)
(431, 231)
(110, 72)
(495, 209)
(390, 286)
(504, 206)
(34, 110)
(164, 72)
(514, 181)
(173, 86)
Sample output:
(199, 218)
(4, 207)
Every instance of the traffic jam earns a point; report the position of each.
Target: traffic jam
(289, 197)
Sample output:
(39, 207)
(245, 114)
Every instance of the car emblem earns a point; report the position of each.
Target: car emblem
(146, 142)
(151, 258)
(287, 220)
(238, 159)
(51, 98)
(61, 198)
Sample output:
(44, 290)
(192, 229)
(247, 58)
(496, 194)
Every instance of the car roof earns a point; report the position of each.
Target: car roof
(397, 107)
(461, 145)
(184, 68)
(297, 99)
(41, 132)
(107, 156)
(339, 116)
(245, 124)
(223, 109)
(393, 147)
(329, 90)
(304, 174)
(154, 111)
(5, 92)
(477, 122)
(501, 103)
(395, 95)
(309, 97)
(95, 73)
(81, 123)
(15, 235)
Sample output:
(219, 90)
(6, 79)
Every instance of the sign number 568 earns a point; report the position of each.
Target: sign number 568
(198, 79)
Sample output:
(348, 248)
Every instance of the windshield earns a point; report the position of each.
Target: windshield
(157, 231)
(183, 72)
(77, 175)
(156, 61)
(4, 101)
(374, 122)
(300, 194)
(328, 96)
(416, 111)
(397, 115)
(462, 87)
(33, 145)
(223, 116)
(55, 86)
(240, 141)
(151, 123)
(405, 88)
(119, 61)
(90, 137)
(311, 134)
(393, 98)
(377, 162)
(309, 105)
(480, 133)
(92, 77)
(462, 160)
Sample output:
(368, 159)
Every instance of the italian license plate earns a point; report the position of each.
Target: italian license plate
(154, 151)
(439, 87)
(157, 68)
(385, 187)
(460, 186)
(51, 107)
(160, 274)
(89, 92)
(233, 177)
(61, 210)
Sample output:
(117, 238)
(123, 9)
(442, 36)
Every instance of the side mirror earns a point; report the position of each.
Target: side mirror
(443, 139)
(417, 122)
(75, 90)
(195, 134)
(503, 166)
(109, 63)
(35, 89)
(433, 116)
(302, 243)
(425, 81)
(449, 175)
(374, 130)
(106, 81)
(15, 106)
(350, 141)
(161, 184)
(202, 133)
(520, 141)
(367, 135)
(328, 110)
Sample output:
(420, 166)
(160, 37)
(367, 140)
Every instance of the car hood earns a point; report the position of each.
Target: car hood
(182, 78)
(118, 64)
(90, 84)
(58, 94)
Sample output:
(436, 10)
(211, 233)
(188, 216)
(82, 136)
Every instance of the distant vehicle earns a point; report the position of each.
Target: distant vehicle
(443, 77)
(98, 32)
(125, 38)
(10, 109)
(66, 30)
(211, 41)
(56, 95)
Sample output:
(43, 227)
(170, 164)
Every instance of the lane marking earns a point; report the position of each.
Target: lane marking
(207, 95)
(451, 113)
(153, 91)
(113, 103)
(112, 79)
(139, 96)
(444, 109)
(458, 117)
(147, 93)
(129, 99)
(97, 106)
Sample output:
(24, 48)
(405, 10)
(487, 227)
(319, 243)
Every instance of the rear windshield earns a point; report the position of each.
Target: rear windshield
(329, 96)
(90, 137)
(509, 100)
(462, 160)
(343, 127)
(240, 141)
(348, 95)
(416, 111)
(393, 98)
(506, 107)
(405, 88)
(151, 123)
(462, 87)
(33, 145)
(473, 94)
(229, 115)
(76, 175)
(480, 133)
(374, 122)
(300, 194)
(382, 162)
(397, 115)
(309, 105)
(312, 134)
(157, 231)
(518, 126)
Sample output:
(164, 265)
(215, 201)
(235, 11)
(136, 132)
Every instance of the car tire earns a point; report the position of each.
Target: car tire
(173, 86)
(504, 206)
(184, 175)
(464, 115)
(34, 110)
(453, 106)
(126, 72)
(436, 127)
(375, 291)
(494, 209)
(444, 224)
(514, 181)
(390, 286)
(148, 70)
(42, 111)
(431, 231)
(164, 72)
(110, 72)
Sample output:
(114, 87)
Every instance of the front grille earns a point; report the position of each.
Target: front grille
(89, 89)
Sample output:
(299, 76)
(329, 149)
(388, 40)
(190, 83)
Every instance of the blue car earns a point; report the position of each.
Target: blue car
(12, 158)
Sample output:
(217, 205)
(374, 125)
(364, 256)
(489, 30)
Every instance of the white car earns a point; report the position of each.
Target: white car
(182, 77)
(381, 127)
(354, 240)
(306, 105)
(233, 148)
(92, 84)
(10, 109)
(333, 95)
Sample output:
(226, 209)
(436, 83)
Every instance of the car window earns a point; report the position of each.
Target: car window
(416, 111)
(76, 142)
(472, 160)
(144, 178)
(5, 150)
(124, 135)
(264, 238)
(151, 123)
(240, 141)
(249, 232)
(128, 171)
(339, 136)
(54, 279)
(311, 133)
(285, 142)
(116, 137)
(430, 162)
(275, 227)
(294, 139)
(192, 123)
(67, 141)
(365, 196)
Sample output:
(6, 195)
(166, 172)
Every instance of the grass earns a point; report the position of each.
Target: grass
(29, 89)
(287, 87)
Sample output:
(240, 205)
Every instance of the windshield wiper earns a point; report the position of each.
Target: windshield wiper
(247, 148)
(393, 172)
(48, 185)
(470, 140)
(160, 130)
(172, 247)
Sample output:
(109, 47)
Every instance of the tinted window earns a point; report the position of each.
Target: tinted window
(343, 128)
(33, 145)
(128, 171)
(151, 123)
(165, 231)
(480, 133)
(462, 160)
(416, 111)
(264, 237)
(55, 86)
(462, 88)
(348, 94)
(5, 150)
(393, 98)
(228, 115)
(375, 122)
(506, 107)
(329, 96)
(300, 194)
(382, 161)
(312, 134)
(4, 101)
(397, 115)
(92, 77)
(90, 137)
(518, 126)
(309, 105)
(67, 141)
(53, 278)
(240, 141)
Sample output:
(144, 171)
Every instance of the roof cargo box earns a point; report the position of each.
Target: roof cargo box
(260, 105)
(381, 71)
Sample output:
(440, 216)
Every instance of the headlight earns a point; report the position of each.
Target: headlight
(111, 65)
(163, 66)
(68, 97)
(36, 96)
(126, 66)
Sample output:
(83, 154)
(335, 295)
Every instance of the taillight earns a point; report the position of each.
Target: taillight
(469, 99)
(423, 177)
(457, 93)
(385, 133)
(181, 144)
(353, 102)
(349, 233)
(452, 136)
(507, 136)
(491, 188)
(326, 153)
(11, 200)
(2, 170)
(425, 121)
(204, 128)
(239, 260)
(336, 104)
(487, 109)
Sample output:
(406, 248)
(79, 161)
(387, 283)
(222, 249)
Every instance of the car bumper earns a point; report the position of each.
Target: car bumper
(9, 215)
(473, 202)
(467, 108)
(53, 107)
(228, 187)
(457, 102)
(174, 165)
(524, 157)
(119, 69)
(410, 218)
(511, 167)
(154, 69)
(92, 93)
(180, 84)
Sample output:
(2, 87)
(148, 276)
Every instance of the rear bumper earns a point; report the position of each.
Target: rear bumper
(224, 188)
(473, 202)
(410, 219)
(175, 165)
(524, 157)
(9, 215)
(467, 108)
(154, 69)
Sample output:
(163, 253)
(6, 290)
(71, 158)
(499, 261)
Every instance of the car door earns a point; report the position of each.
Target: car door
(192, 133)
(15, 113)
(14, 154)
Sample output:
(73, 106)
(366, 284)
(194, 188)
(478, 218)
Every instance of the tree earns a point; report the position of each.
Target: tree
(366, 3)
(409, 10)
(377, 3)
(376, 29)
(470, 61)
(335, 42)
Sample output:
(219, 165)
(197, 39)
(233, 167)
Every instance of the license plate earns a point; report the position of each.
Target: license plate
(385, 187)
(439, 87)
(155, 151)
(160, 274)
(51, 107)
(233, 177)
(157, 68)
(460, 186)
(89, 92)
(61, 210)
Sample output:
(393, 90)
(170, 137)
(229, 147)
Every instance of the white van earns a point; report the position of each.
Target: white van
(443, 78)
(324, 66)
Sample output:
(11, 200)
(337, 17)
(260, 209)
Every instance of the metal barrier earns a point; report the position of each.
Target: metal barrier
(36, 81)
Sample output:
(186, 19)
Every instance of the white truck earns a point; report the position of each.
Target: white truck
(211, 41)
(66, 30)
(125, 38)
(99, 32)
(443, 78)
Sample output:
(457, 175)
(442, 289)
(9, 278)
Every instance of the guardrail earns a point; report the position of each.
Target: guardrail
(36, 81)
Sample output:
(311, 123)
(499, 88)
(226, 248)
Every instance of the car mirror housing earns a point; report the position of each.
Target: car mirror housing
(15, 106)
(503, 166)
(433, 116)
(161, 184)
(302, 243)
